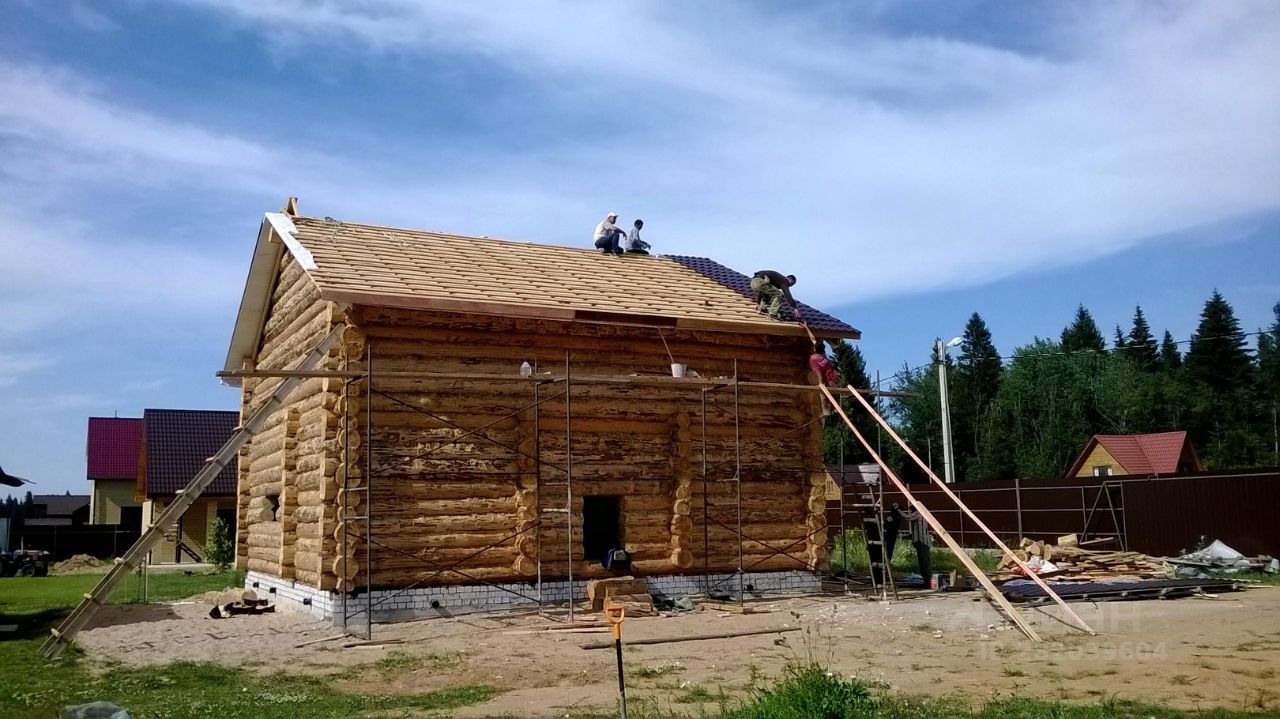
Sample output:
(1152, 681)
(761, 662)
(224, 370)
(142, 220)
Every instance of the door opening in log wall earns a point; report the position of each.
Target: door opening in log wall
(601, 527)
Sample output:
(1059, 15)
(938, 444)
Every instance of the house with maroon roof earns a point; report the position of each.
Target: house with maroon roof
(175, 445)
(1161, 453)
(111, 454)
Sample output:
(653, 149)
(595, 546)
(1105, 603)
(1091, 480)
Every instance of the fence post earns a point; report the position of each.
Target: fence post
(1017, 497)
(1084, 517)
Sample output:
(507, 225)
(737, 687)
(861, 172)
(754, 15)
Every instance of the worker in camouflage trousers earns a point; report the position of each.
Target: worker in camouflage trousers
(772, 289)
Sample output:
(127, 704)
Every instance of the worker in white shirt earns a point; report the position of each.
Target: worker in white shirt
(609, 236)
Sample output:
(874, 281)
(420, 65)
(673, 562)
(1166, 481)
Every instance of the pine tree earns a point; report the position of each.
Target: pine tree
(1269, 380)
(976, 382)
(1219, 372)
(1170, 358)
(1218, 358)
(1119, 343)
(1269, 358)
(1082, 334)
(1142, 345)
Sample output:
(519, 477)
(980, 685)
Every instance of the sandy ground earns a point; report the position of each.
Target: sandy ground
(1187, 652)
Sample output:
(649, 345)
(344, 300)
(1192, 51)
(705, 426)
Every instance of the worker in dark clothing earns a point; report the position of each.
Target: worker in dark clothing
(892, 528)
(772, 289)
(923, 543)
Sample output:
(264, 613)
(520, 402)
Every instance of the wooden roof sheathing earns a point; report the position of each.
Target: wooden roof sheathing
(379, 266)
(369, 264)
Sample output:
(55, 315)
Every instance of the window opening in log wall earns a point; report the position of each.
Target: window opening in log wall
(601, 526)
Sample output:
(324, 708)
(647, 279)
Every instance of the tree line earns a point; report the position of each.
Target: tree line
(1029, 414)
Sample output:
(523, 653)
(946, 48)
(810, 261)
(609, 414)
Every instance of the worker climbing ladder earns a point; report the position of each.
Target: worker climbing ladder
(870, 506)
(129, 561)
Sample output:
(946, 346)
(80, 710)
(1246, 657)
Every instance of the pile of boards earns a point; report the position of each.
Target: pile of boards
(1069, 562)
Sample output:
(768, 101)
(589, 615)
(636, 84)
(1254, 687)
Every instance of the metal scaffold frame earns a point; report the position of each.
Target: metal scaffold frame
(433, 570)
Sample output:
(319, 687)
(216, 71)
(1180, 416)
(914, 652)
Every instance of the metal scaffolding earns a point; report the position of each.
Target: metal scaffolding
(364, 518)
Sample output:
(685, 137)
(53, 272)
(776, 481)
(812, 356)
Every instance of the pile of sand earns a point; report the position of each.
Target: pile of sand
(80, 564)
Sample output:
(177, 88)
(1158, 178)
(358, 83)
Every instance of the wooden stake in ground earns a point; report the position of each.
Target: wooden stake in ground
(969, 513)
(933, 522)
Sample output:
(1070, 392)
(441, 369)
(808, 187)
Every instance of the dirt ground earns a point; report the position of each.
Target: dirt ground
(1189, 653)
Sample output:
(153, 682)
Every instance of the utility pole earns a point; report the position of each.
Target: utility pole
(948, 460)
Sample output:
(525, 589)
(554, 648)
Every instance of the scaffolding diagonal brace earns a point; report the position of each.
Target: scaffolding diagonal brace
(80, 616)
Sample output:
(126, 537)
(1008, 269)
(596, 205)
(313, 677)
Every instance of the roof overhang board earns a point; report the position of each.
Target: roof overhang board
(256, 300)
(285, 230)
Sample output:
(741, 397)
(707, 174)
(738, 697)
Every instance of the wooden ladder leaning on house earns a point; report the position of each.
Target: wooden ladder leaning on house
(126, 563)
(870, 507)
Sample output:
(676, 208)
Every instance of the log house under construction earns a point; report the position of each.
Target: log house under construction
(420, 470)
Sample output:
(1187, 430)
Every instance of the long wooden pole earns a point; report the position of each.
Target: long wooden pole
(933, 522)
(969, 513)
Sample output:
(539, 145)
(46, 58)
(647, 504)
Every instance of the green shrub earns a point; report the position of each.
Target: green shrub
(808, 692)
(220, 550)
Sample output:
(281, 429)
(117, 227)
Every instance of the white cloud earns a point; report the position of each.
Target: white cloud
(62, 272)
(50, 114)
(60, 402)
(881, 162)
(14, 365)
(90, 19)
(868, 162)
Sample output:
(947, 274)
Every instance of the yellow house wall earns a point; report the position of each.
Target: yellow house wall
(195, 527)
(107, 497)
(1099, 457)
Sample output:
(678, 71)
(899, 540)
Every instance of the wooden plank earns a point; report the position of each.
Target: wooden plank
(692, 638)
(968, 512)
(933, 522)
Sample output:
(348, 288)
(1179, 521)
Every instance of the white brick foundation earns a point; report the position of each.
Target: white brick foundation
(392, 605)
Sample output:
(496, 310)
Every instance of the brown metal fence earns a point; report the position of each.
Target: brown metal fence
(1156, 515)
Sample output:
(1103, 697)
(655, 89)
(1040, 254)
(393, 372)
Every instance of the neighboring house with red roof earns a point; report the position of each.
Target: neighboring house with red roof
(111, 454)
(1107, 455)
(175, 445)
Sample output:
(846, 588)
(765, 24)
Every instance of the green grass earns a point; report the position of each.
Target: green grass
(850, 555)
(29, 595)
(811, 693)
(33, 687)
(399, 663)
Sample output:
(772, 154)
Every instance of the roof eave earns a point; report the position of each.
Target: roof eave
(562, 314)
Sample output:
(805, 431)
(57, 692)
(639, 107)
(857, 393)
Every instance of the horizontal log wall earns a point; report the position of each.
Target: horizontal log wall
(287, 470)
(454, 506)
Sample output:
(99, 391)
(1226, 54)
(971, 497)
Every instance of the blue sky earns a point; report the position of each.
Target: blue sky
(912, 162)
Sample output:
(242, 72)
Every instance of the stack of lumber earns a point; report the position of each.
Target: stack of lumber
(628, 592)
(1075, 564)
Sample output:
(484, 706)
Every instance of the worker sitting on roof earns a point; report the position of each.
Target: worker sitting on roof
(635, 245)
(609, 236)
(772, 288)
